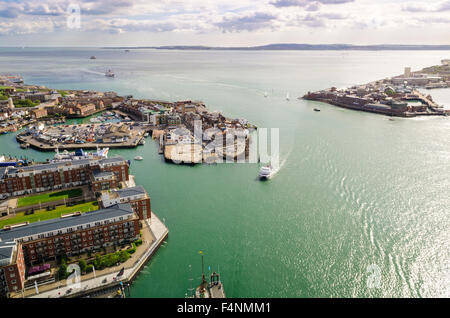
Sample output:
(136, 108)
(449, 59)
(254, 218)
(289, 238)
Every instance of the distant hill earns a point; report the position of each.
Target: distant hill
(299, 47)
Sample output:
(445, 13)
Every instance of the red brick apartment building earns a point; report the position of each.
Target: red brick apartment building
(27, 244)
(45, 177)
(137, 197)
(12, 267)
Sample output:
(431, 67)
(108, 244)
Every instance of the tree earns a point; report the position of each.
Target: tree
(82, 263)
(62, 273)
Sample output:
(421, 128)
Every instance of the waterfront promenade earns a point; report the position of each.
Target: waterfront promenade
(154, 233)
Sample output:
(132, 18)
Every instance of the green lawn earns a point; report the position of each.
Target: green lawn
(49, 197)
(41, 215)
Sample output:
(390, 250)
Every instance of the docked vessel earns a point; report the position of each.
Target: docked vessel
(109, 73)
(80, 154)
(93, 57)
(287, 96)
(138, 158)
(266, 172)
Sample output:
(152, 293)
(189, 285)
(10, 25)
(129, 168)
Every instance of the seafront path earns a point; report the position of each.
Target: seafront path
(154, 233)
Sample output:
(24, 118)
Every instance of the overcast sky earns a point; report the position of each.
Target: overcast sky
(222, 22)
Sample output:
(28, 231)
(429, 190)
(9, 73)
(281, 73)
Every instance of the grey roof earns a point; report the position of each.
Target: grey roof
(2, 171)
(117, 210)
(112, 159)
(100, 174)
(123, 193)
(56, 165)
(6, 250)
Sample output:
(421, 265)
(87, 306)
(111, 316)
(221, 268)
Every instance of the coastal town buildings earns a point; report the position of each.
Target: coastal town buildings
(38, 112)
(12, 267)
(395, 96)
(26, 244)
(44, 177)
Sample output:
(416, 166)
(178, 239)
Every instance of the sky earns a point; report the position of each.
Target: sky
(222, 22)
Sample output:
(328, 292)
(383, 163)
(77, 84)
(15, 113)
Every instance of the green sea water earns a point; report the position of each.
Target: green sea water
(356, 192)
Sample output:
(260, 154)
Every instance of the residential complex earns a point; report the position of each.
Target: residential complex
(26, 244)
(117, 223)
(101, 174)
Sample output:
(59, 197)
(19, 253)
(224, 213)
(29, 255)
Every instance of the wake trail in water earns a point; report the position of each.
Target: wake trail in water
(277, 168)
(91, 72)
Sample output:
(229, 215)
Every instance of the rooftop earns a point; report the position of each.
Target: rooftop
(118, 210)
(124, 193)
(6, 252)
(57, 165)
(127, 192)
(102, 174)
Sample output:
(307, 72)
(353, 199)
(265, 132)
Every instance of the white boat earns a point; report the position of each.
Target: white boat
(139, 158)
(80, 154)
(266, 172)
(287, 96)
(95, 120)
(109, 73)
(265, 94)
(142, 142)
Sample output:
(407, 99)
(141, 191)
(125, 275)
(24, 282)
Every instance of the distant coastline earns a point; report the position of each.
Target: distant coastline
(297, 47)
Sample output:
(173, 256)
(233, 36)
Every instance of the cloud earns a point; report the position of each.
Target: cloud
(105, 7)
(250, 22)
(444, 6)
(305, 3)
(9, 13)
(315, 6)
(419, 7)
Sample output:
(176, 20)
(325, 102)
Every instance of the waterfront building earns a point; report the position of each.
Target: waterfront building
(136, 196)
(103, 180)
(12, 268)
(45, 177)
(38, 112)
(70, 235)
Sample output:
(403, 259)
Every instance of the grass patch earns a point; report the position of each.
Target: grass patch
(49, 197)
(26, 103)
(41, 215)
(63, 93)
